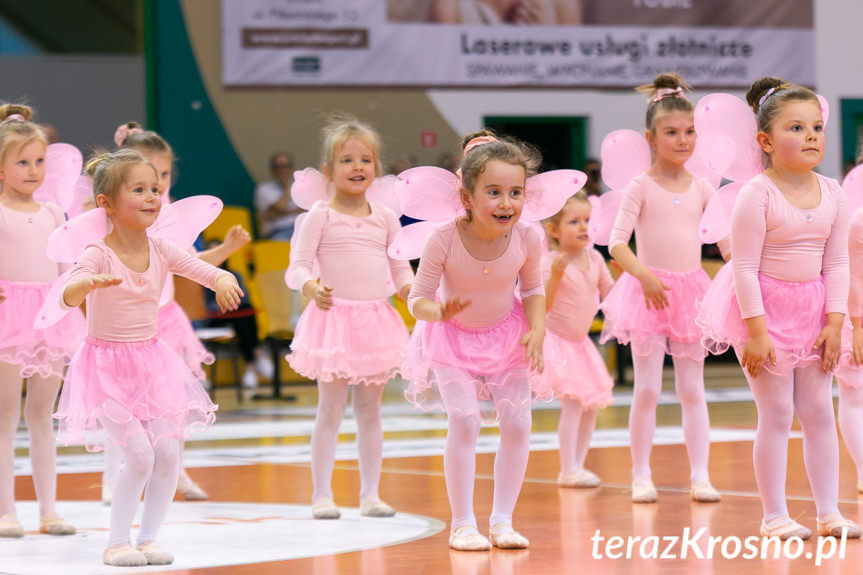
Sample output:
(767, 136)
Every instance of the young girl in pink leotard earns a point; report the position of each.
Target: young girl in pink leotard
(782, 301)
(476, 340)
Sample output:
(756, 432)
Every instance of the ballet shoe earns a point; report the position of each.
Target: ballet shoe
(325, 509)
(468, 538)
(53, 524)
(155, 555)
(374, 507)
(643, 491)
(108, 492)
(10, 527)
(190, 490)
(784, 527)
(503, 536)
(124, 556)
(703, 492)
(833, 524)
(578, 479)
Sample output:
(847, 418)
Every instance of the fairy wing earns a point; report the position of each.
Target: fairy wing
(546, 193)
(852, 185)
(383, 191)
(429, 193)
(67, 243)
(625, 154)
(602, 215)
(51, 312)
(182, 221)
(715, 223)
(63, 164)
(82, 196)
(726, 130)
(825, 108)
(409, 242)
(309, 186)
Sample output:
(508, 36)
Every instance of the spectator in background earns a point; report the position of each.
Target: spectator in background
(273, 204)
(592, 168)
(401, 164)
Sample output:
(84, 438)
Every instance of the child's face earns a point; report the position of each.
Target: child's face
(796, 138)
(673, 137)
(23, 170)
(497, 198)
(353, 169)
(163, 163)
(137, 203)
(571, 229)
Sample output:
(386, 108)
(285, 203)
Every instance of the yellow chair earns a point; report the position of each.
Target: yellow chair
(232, 216)
(268, 255)
(276, 300)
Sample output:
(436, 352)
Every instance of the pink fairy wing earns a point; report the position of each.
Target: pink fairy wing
(852, 185)
(383, 191)
(625, 154)
(726, 122)
(309, 186)
(602, 216)
(67, 243)
(409, 242)
(62, 167)
(429, 193)
(182, 221)
(82, 196)
(715, 223)
(51, 312)
(696, 166)
(546, 193)
(825, 108)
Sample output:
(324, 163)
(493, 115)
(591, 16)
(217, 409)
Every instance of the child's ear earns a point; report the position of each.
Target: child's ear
(551, 229)
(325, 170)
(765, 142)
(103, 202)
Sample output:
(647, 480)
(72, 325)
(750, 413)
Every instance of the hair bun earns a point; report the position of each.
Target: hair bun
(8, 110)
(759, 89)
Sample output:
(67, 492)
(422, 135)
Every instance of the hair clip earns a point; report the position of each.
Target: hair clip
(663, 93)
(478, 141)
(14, 118)
(124, 132)
(766, 95)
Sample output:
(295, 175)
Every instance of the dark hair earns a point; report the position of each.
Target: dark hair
(767, 96)
(275, 158)
(672, 100)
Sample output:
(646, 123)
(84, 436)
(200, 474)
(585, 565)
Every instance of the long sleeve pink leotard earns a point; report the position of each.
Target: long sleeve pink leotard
(855, 255)
(577, 298)
(489, 285)
(351, 252)
(129, 311)
(665, 223)
(23, 240)
(772, 237)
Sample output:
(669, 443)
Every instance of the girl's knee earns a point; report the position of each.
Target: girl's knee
(465, 426)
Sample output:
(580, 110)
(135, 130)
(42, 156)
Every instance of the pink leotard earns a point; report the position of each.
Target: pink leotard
(575, 301)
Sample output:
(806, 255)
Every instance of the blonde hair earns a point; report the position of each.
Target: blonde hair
(18, 132)
(505, 150)
(579, 196)
(108, 170)
(672, 99)
(340, 129)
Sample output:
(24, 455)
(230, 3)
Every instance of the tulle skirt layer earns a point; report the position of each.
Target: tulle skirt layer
(474, 371)
(848, 372)
(175, 329)
(113, 383)
(41, 352)
(794, 313)
(362, 342)
(630, 321)
(577, 371)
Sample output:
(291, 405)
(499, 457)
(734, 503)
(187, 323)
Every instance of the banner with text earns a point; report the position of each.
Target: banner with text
(529, 43)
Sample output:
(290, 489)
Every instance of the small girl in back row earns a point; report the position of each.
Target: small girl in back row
(476, 340)
(124, 383)
(782, 302)
(652, 306)
(576, 276)
(350, 338)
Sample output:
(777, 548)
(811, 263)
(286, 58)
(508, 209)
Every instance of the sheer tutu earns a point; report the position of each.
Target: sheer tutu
(487, 365)
(577, 370)
(848, 372)
(175, 329)
(794, 312)
(360, 341)
(629, 321)
(144, 380)
(35, 350)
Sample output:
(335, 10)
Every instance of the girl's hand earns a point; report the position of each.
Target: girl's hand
(102, 281)
(404, 292)
(451, 307)
(236, 238)
(323, 296)
(756, 351)
(228, 293)
(558, 266)
(654, 291)
(830, 337)
(857, 346)
(532, 342)
(2, 296)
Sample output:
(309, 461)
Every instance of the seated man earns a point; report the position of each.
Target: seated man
(276, 210)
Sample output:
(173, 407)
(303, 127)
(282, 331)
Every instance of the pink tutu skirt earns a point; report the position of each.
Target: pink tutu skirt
(175, 329)
(471, 370)
(848, 372)
(36, 351)
(794, 312)
(629, 321)
(362, 342)
(577, 371)
(120, 382)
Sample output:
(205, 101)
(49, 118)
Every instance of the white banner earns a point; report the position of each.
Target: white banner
(267, 43)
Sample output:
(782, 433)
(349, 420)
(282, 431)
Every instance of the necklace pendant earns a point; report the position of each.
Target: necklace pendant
(485, 270)
(809, 218)
(676, 201)
(30, 220)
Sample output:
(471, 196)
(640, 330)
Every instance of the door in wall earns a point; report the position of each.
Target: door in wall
(562, 140)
